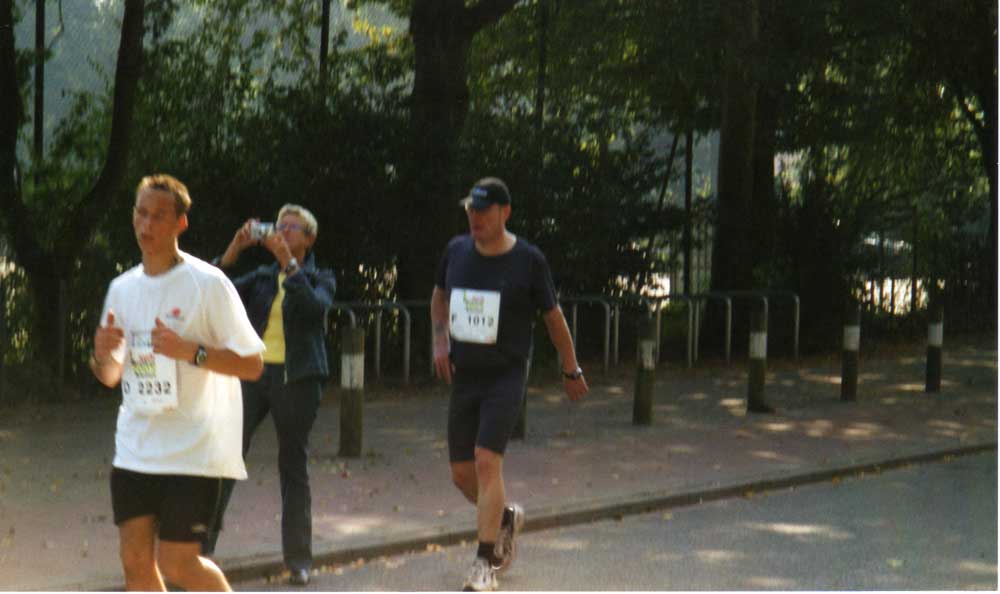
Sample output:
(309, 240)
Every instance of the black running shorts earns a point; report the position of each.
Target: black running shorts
(184, 506)
(484, 407)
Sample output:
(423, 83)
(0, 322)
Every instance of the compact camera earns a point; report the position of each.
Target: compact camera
(259, 231)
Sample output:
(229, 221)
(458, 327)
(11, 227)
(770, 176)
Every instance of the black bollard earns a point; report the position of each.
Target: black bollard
(645, 374)
(849, 356)
(352, 383)
(758, 361)
(935, 340)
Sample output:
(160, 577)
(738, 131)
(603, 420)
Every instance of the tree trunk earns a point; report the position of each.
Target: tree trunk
(45, 267)
(442, 32)
(731, 261)
(39, 135)
(688, 214)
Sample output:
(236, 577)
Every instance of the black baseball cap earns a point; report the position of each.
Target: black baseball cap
(486, 192)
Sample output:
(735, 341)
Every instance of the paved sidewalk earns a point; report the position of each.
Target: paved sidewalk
(578, 461)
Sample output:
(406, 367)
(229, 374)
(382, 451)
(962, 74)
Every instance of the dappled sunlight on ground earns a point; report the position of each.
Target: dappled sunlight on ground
(771, 455)
(869, 432)
(871, 377)
(977, 567)
(802, 532)
(778, 426)
(734, 406)
(819, 428)
(946, 428)
(833, 380)
(862, 430)
(729, 384)
(715, 556)
(563, 543)
(682, 449)
(825, 428)
(971, 363)
(771, 583)
(696, 397)
(351, 525)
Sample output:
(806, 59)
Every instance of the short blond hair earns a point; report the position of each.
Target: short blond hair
(169, 184)
(312, 227)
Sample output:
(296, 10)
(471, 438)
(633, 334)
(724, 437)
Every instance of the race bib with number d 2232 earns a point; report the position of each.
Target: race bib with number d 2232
(149, 380)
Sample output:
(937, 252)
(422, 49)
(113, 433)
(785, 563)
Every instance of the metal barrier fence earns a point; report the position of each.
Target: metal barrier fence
(612, 308)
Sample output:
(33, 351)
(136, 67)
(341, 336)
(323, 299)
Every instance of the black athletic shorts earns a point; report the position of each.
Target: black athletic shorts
(484, 407)
(184, 506)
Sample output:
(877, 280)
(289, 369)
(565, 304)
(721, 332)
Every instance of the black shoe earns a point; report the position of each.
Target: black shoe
(299, 577)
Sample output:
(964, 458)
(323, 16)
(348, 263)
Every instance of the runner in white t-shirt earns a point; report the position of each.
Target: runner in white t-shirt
(176, 338)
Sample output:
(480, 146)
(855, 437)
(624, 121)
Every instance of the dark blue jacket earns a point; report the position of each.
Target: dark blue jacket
(308, 296)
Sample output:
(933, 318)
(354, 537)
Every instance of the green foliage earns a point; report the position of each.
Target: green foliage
(879, 117)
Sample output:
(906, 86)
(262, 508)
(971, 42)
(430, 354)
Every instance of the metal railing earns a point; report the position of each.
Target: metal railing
(611, 307)
(380, 307)
(591, 299)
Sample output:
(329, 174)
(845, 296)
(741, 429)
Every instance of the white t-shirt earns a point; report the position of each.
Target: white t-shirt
(201, 433)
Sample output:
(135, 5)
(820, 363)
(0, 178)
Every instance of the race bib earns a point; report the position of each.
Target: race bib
(149, 380)
(475, 315)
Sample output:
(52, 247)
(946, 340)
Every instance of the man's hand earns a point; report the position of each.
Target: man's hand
(575, 388)
(168, 343)
(107, 338)
(442, 363)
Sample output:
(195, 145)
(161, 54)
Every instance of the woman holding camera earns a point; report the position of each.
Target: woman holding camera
(286, 302)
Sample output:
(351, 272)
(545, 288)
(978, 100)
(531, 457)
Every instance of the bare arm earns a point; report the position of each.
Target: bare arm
(107, 371)
(169, 344)
(555, 323)
(227, 362)
(439, 324)
(241, 241)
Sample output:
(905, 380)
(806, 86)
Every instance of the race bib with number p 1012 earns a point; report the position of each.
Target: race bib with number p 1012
(149, 380)
(474, 315)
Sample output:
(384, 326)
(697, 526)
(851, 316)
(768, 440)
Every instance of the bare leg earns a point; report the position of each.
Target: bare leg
(137, 548)
(491, 494)
(463, 474)
(183, 566)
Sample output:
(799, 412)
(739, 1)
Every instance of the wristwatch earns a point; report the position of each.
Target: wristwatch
(199, 356)
(292, 266)
(573, 375)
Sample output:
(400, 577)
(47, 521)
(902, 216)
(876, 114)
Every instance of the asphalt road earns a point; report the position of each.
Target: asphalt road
(931, 526)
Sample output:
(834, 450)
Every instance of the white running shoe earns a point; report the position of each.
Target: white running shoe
(510, 527)
(482, 577)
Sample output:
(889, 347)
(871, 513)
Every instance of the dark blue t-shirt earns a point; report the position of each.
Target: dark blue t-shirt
(523, 281)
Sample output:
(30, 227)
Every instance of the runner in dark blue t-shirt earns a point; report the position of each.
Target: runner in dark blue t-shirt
(488, 288)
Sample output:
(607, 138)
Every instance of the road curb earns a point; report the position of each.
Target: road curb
(548, 517)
